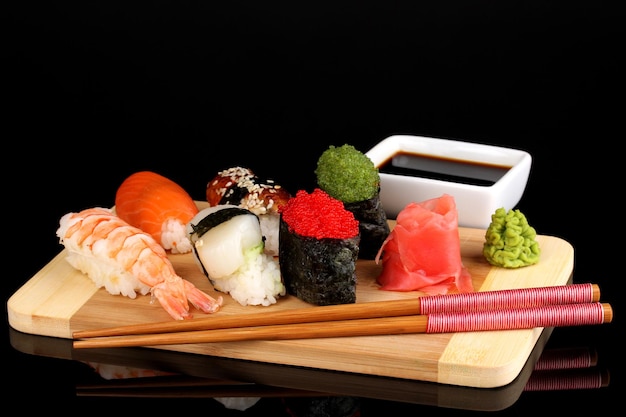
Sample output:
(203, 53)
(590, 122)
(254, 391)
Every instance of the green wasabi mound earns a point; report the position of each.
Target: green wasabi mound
(347, 174)
(509, 241)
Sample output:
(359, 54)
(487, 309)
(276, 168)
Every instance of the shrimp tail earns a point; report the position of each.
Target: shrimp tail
(201, 300)
(174, 294)
(171, 295)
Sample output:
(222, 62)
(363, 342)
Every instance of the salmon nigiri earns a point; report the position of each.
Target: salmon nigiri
(159, 207)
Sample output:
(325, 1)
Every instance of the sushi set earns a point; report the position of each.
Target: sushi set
(60, 300)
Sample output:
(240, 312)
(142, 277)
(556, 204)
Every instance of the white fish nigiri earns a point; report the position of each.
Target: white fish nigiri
(229, 248)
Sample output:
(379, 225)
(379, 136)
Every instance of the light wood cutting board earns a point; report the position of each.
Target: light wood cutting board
(60, 300)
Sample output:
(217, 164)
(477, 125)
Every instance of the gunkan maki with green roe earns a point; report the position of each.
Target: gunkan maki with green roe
(348, 175)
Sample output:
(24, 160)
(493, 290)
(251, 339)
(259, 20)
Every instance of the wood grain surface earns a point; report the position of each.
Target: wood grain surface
(60, 300)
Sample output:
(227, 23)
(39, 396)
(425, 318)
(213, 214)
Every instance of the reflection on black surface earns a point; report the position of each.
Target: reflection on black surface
(556, 369)
(567, 369)
(157, 374)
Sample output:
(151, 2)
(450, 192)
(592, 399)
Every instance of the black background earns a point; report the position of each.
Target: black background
(98, 90)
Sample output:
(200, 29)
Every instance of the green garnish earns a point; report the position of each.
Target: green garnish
(510, 242)
(347, 174)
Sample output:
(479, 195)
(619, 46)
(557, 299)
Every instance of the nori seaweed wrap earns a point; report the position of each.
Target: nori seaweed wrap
(373, 225)
(319, 247)
(318, 271)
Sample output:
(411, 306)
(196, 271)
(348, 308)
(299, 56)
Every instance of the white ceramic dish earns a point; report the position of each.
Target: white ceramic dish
(484, 177)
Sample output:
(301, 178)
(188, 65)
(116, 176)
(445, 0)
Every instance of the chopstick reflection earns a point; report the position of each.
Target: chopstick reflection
(567, 369)
(123, 381)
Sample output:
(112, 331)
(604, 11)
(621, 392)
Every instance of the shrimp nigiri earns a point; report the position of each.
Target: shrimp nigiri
(125, 260)
(158, 206)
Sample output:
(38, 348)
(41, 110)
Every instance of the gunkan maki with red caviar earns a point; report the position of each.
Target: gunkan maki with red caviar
(319, 247)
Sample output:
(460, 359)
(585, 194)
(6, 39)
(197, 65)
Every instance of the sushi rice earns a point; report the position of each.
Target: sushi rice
(256, 282)
(229, 248)
(106, 273)
(174, 236)
(270, 223)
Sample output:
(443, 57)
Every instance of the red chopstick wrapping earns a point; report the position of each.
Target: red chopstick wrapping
(511, 298)
(518, 318)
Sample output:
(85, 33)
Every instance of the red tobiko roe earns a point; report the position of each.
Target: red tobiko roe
(319, 215)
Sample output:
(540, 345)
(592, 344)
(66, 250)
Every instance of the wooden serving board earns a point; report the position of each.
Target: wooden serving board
(60, 300)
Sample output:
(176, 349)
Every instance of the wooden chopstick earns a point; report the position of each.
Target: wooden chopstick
(301, 315)
(477, 301)
(521, 318)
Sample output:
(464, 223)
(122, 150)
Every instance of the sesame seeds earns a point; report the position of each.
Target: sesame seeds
(240, 186)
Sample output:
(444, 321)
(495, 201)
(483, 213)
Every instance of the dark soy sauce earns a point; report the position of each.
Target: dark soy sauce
(444, 169)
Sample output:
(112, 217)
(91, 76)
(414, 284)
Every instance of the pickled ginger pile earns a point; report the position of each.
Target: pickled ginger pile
(422, 252)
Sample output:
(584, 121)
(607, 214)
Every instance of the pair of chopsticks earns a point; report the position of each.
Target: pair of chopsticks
(566, 305)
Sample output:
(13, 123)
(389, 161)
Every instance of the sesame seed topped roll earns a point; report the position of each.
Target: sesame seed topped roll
(240, 186)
